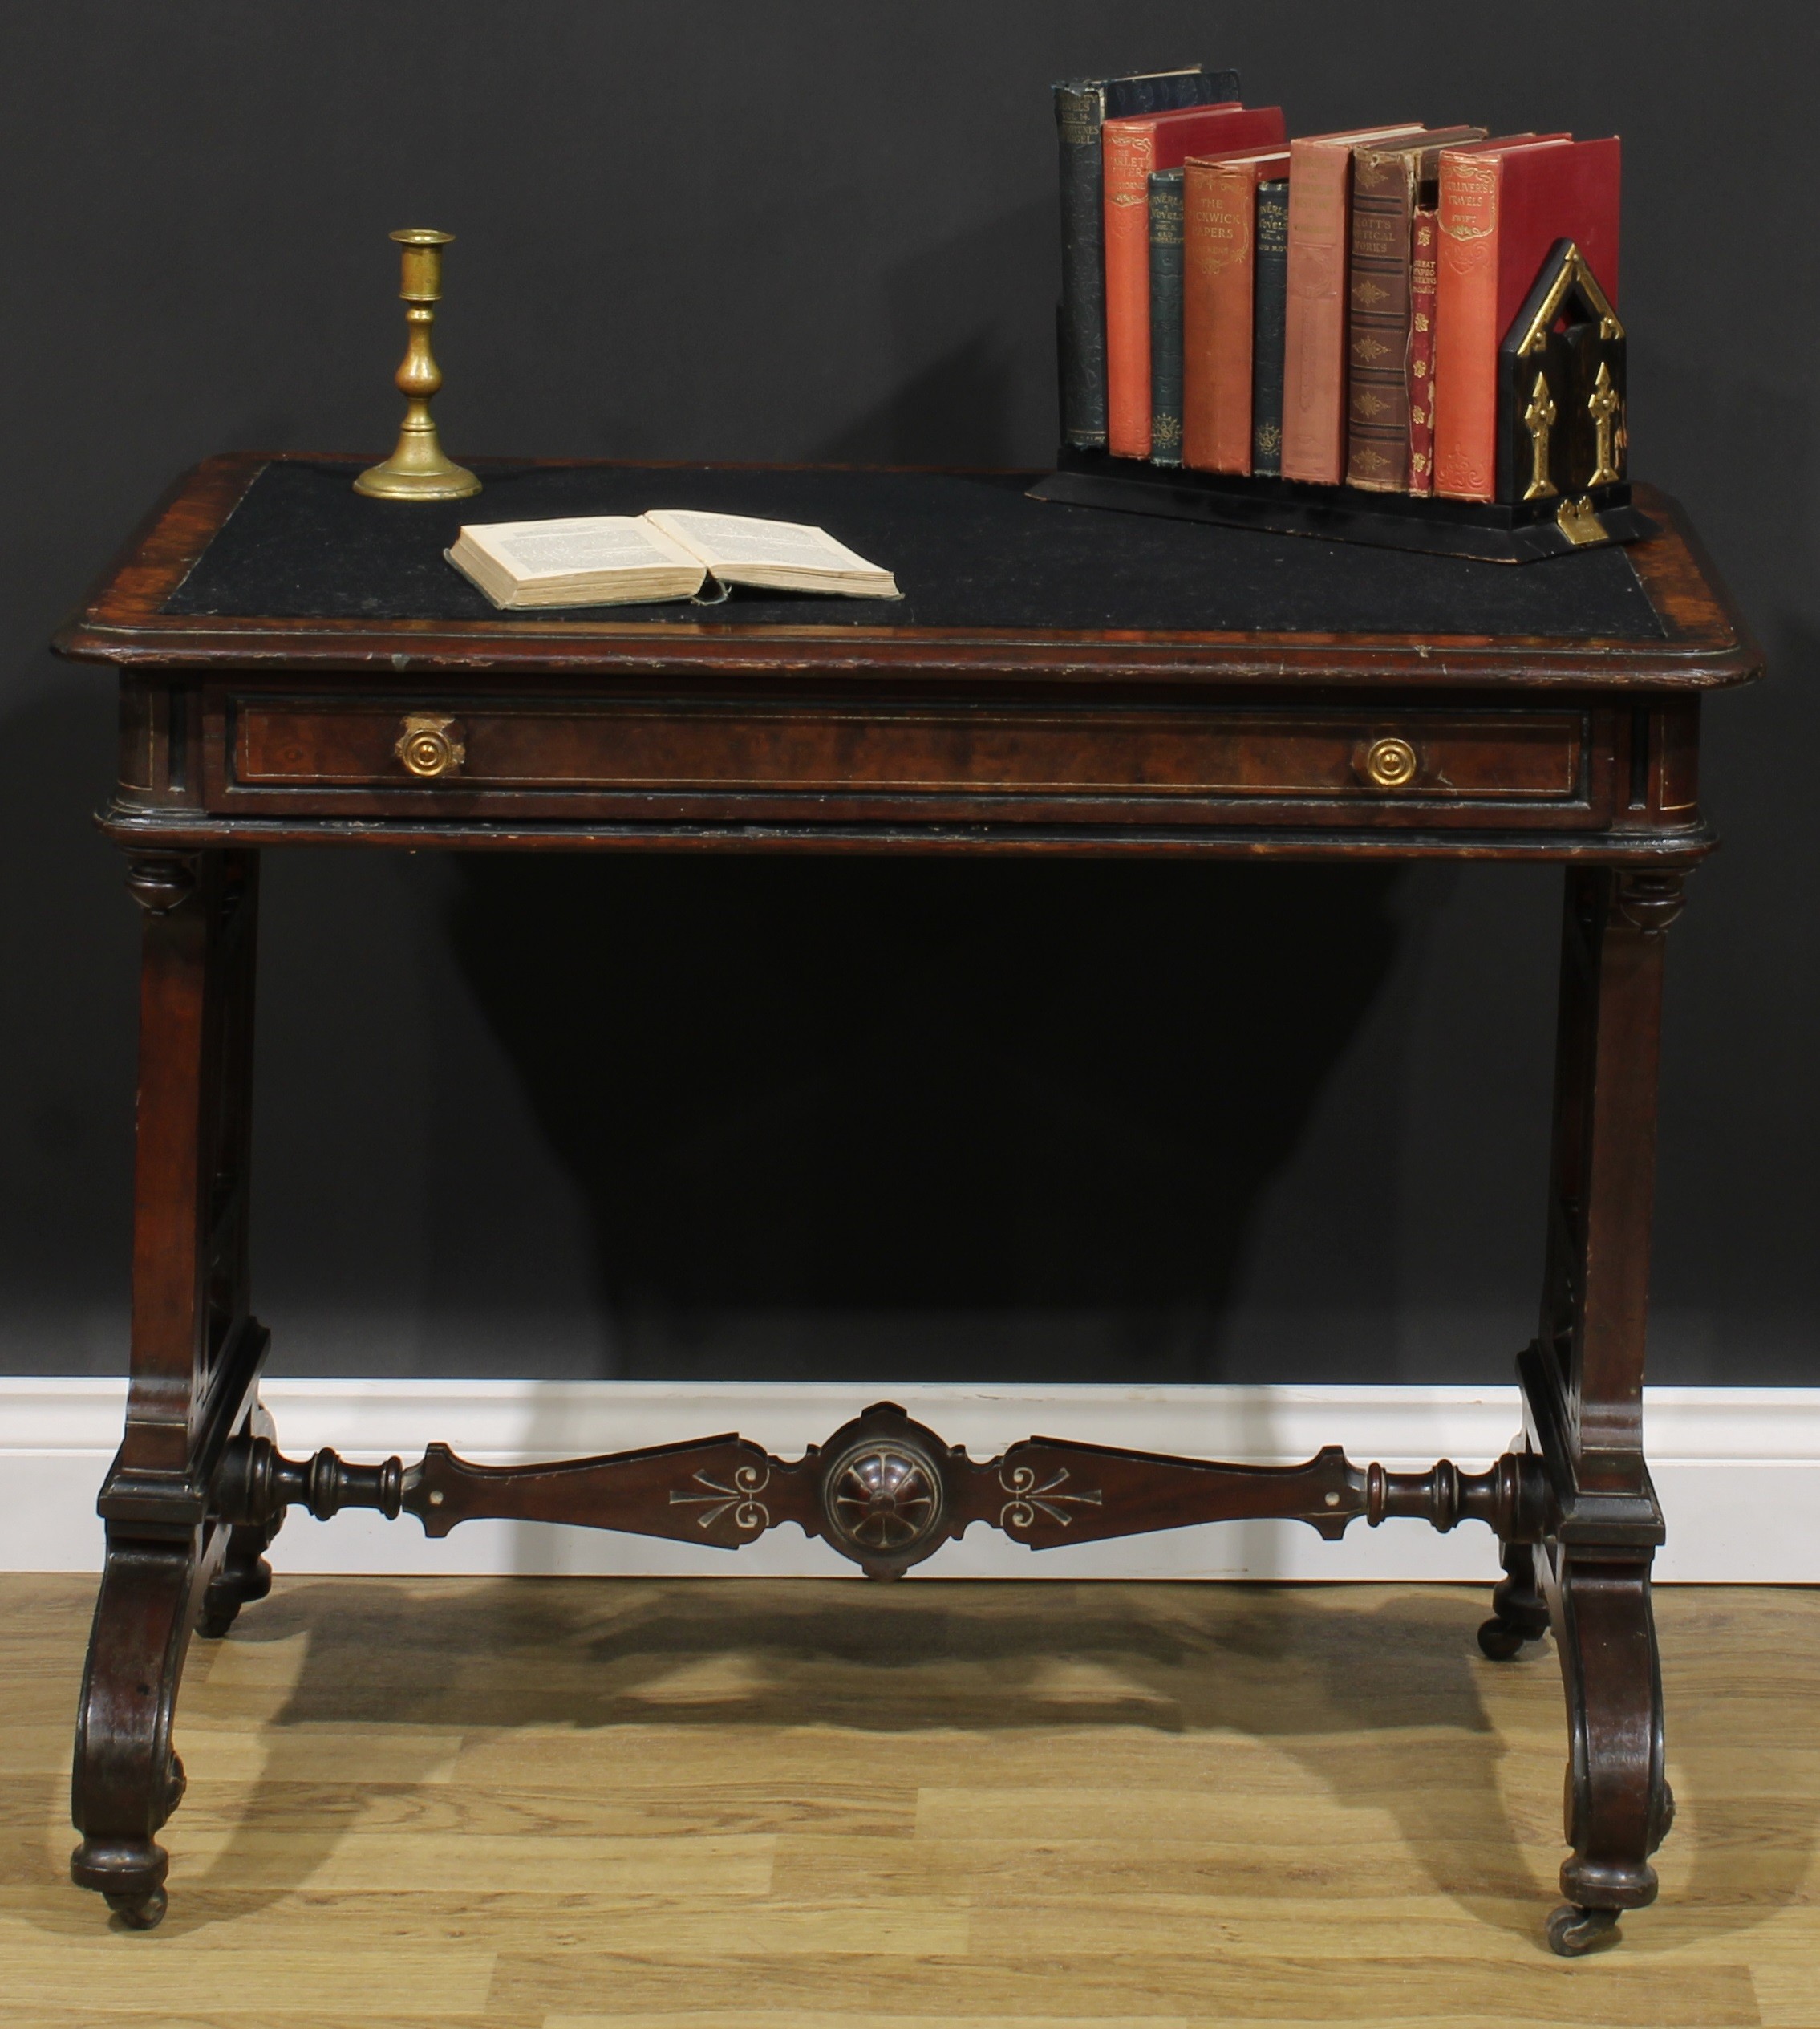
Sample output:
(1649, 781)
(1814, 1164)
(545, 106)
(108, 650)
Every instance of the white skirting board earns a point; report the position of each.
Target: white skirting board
(1738, 1469)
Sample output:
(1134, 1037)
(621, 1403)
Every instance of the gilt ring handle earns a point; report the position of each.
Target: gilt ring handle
(430, 747)
(1390, 764)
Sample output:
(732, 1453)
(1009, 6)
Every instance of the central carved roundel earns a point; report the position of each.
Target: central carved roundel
(883, 1497)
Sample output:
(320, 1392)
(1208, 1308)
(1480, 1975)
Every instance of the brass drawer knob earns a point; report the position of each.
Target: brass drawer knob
(429, 747)
(1390, 764)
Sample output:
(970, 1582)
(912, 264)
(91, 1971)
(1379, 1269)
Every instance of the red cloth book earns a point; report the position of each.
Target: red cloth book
(1219, 265)
(1314, 340)
(1501, 209)
(1133, 149)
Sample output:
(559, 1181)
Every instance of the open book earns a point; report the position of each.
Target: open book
(623, 559)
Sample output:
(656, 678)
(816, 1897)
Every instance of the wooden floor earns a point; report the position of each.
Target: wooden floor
(731, 1804)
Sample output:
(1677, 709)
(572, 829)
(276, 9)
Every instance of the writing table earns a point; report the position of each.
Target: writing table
(298, 666)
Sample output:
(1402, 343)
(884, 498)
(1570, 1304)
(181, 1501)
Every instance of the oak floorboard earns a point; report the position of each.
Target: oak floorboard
(734, 1804)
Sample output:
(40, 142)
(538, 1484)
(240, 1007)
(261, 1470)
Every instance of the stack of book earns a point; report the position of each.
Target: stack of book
(1328, 309)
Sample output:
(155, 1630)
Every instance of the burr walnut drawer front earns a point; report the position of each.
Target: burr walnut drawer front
(332, 755)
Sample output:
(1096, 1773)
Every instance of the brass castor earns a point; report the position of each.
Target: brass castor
(1573, 1931)
(140, 1912)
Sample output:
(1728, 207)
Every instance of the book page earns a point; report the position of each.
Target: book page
(531, 549)
(734, 539)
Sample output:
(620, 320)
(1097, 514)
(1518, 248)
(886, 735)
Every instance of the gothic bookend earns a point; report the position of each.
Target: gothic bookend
(1561, 438)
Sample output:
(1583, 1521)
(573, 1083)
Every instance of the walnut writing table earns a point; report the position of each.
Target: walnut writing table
(299, 666)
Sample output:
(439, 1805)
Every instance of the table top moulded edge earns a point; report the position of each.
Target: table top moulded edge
(1706, 643)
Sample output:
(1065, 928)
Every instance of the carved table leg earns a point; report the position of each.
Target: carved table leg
(127, 1780)
(196, 1353)
(1618, 1806)
(1583, 1387)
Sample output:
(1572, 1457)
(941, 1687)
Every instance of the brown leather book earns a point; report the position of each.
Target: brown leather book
(1387, 184)
(1501, 210)
(1314, 344)
(1423, 236)
(1219, 262)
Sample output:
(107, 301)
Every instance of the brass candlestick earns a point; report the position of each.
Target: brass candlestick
(419, 468)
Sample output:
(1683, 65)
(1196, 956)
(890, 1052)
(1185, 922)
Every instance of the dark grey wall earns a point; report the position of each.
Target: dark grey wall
(727, 1119)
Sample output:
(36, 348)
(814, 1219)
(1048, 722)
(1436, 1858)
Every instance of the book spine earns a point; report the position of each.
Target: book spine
(1080, 113)
(1168, 91)
(1200, 264)
(1269, 291)
(1225, 249)
(1313, 391)
(1377, 404)
(1424, 234)
(1165, 316)
(1465, 329)
(1129, 155)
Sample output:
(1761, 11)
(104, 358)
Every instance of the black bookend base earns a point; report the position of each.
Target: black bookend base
(1491, 532)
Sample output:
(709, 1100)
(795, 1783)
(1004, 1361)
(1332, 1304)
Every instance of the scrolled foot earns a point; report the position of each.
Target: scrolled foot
(139, 1912)
(1573, 1931)
(126, 1780)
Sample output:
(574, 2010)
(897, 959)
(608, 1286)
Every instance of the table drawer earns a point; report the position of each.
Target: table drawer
(325, 752)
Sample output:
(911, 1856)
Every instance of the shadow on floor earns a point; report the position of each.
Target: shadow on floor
(1378, 1692)
(1379, 1701)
